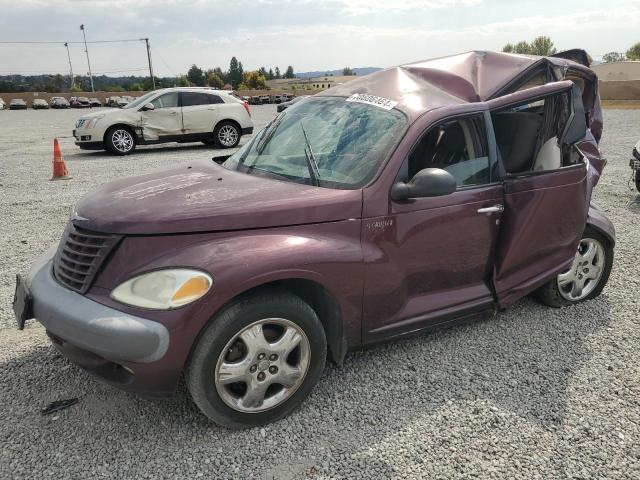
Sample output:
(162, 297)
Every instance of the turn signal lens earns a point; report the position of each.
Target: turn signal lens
(163, 289)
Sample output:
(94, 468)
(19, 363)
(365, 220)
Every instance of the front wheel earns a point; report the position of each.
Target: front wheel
(227, 134)
(586, 277)
(120, 141)
(257, 360)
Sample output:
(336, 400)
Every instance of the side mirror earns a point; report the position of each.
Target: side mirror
(148, 106)
(429, 182)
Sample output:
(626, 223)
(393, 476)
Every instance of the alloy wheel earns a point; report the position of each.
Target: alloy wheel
(122, 140)
(228, 135)
(263, 365)
(585, 272)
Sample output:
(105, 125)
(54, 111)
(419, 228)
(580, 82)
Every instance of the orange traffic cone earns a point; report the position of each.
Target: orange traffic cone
(59, 168)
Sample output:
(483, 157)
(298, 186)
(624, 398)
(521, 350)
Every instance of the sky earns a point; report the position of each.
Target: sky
(309, 35)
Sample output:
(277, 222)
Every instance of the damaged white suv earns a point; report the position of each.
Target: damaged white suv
(214, 117)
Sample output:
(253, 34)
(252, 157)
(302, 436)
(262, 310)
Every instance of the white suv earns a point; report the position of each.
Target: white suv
(168, 115)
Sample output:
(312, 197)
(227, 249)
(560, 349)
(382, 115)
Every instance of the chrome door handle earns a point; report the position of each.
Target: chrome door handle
(490, 210)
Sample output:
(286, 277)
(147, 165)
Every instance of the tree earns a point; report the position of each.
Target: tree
(235, 72)
(277, 74)
(542, 46)
(347, 71)
(75, 88)
(184, 81)
(214, 80)
(196, 76)
(634, 52)
(289, 73)
(263, 71)
(508, 48)
(136, 87)
(254, 81)
(613, 57)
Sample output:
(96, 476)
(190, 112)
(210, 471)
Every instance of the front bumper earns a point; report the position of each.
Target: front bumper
(87, 139)
(90, 326)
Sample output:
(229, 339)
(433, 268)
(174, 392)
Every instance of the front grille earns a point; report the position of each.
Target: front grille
(79, 256)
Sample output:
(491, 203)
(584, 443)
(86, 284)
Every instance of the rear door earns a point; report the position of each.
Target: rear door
(199, 112)
(545, 188)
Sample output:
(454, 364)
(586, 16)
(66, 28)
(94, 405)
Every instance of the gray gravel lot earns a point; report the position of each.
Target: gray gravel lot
(532, 393)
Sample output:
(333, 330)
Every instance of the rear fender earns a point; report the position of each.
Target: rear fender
(599, 222)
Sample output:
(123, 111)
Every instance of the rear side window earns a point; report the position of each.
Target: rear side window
(192, 99)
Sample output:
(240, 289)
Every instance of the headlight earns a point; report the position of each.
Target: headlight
(92, 122)
(163, 289)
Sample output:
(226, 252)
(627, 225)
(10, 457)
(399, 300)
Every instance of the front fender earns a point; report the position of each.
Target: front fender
(597, 220)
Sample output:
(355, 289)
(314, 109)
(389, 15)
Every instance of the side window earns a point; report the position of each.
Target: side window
(528, 135)
(192, 99)
(458, 146)
(215, 99)
(168, 100)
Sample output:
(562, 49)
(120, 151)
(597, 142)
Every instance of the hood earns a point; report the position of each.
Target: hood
(100, 113)
(206, 197)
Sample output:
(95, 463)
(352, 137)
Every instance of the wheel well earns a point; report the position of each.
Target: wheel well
(230, 121)
(321, 301)
(119, 125)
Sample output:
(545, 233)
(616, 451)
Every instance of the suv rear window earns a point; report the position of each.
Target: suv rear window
(190, 99)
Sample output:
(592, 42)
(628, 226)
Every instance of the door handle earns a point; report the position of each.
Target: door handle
(490, 210)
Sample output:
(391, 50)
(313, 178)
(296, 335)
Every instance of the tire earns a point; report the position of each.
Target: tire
(120, 141)
(259, 362)
(637, 179)
(556, 295)
(227, 134)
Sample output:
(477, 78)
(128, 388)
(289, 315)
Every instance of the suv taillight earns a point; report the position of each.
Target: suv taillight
(246, 107)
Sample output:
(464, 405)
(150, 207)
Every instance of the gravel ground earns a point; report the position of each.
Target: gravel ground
(532, 393)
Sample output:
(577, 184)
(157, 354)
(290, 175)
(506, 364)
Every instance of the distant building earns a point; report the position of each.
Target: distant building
(313, 83)
(616, 71)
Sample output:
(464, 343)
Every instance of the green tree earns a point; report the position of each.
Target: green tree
(508, 48)
(270, 75)
(75, 88)
(196, 76)
(254, 81)
(184, 81)
(136, 87)
(347, 71)
(263, 71)
(277, 74)
(613, 57)
(214, 80)
(634, 52)
(289, 73)
(235, 72)
(542, 46)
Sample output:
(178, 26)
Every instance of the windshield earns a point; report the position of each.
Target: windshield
(138, 102)
(327, 142)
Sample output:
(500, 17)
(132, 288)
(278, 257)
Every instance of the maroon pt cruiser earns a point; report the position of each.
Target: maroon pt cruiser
(417, 196)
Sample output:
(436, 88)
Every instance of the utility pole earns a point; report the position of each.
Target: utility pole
(153, 80)
(70, 67)
(86, 50)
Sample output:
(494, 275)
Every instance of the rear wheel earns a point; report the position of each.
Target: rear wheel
(586, 277)
(637, 179)
(120, 141)
(227, 134)
(257, 360)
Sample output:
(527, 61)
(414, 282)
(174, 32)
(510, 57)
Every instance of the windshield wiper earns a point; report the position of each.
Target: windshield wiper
(312, 163)
(268, 134)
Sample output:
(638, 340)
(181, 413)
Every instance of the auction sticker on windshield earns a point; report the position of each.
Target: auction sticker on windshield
(372, 100)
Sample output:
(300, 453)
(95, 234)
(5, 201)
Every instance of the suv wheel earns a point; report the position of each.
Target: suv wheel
(586, 277)
(227, 134)
(120, 141)
(257, 360)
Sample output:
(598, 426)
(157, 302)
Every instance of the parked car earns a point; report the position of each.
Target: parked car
(3, 105)
(265, 99)
(94, 102)
(169, 115)
(112, 102)
(276, 99)
(363, 214)
(39, 104)
(59, 102)
(79, 102)
(122, 102)
(634, 163)
(17, 104)
(293, 101)
(255, 100)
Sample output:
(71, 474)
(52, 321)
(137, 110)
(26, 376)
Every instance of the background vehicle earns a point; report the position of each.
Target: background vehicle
(276, 99)
(59, 102)
(94, 102)
(2, 104)
(364, 218)
(169, 115)
(79, 102)
(122, 102)
(293, 101)
(39, 104)
(112, 102)
(634, 163)
(265, 99)
(17, 104)
(255, 100)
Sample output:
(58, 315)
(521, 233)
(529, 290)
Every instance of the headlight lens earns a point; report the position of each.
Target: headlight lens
(92, 122)
(163, 289)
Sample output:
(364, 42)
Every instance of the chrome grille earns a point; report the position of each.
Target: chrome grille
(80, 255)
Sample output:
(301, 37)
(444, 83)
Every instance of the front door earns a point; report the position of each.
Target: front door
(431, 259)
(165, 120)
(546, 200)
(199, 112)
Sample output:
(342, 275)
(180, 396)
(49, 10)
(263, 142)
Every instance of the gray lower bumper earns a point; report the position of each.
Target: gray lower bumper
(89, 325)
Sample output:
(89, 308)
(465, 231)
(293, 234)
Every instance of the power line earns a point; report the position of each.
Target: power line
(63, 42)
